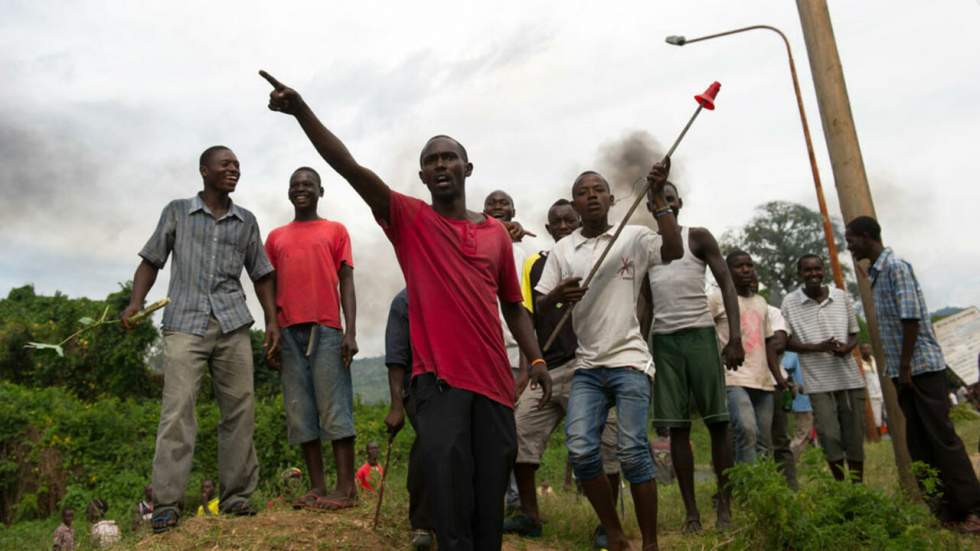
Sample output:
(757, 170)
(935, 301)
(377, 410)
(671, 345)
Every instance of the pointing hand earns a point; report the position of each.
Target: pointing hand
(282, 98)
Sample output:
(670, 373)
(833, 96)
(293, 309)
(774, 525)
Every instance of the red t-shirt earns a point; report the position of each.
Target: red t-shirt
(454, 271)
(369, 477)
(307, 256)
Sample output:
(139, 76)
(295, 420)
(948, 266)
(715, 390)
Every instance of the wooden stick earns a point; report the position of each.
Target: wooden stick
(384, 475)
(622, 224)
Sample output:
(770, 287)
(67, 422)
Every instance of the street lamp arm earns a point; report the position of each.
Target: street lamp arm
(736, 31)
(835, 266)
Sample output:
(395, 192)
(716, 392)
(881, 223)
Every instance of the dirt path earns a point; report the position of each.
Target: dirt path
(292, 531)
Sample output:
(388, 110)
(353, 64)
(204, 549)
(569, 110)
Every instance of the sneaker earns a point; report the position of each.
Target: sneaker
(522, 525)
(599, 538)
(421, 540)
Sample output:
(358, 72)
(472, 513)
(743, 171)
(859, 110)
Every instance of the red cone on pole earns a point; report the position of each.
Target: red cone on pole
(707, 99)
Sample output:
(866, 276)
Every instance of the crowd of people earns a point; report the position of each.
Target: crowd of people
(470, 358)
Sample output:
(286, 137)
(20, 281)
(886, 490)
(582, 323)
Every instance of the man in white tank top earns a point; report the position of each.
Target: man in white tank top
(685, 351)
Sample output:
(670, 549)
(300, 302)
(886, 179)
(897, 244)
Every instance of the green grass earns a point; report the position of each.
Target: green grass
(569, 517)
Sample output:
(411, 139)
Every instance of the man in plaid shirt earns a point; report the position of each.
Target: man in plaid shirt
(915, 364)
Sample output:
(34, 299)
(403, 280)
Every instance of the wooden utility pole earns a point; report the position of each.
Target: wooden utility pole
(852, 190)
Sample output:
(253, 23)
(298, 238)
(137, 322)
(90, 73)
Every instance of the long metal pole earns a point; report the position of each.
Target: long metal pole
(871, 431)
(619, 230)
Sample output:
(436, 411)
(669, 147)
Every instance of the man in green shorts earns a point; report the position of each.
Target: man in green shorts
(685, 352)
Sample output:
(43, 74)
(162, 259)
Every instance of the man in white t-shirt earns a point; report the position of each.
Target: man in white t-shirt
(749, 389)
(612, 354)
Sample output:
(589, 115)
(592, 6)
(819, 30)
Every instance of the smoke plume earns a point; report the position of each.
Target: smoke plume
(625, 163)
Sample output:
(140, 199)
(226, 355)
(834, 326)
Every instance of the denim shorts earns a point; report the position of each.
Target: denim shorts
(317, 391)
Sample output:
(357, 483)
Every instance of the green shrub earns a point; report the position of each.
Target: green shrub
(827, 514)
(58, 450)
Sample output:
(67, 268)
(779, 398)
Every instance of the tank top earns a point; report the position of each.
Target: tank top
(679, 298)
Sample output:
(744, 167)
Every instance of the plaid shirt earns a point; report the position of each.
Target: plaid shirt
(208, 256)
(898, 297)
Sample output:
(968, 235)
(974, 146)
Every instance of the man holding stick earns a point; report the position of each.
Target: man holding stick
(457, 264)
(314, 282)
(612, 355)
(534, 424)
(689, 367)
(211, 240)
(398, 359)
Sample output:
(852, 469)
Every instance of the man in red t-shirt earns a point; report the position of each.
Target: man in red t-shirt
(456, 263)
(312, 258)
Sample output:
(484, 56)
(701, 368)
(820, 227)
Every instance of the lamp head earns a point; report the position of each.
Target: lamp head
(676, 40)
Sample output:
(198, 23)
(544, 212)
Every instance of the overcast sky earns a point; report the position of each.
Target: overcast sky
(106, 106)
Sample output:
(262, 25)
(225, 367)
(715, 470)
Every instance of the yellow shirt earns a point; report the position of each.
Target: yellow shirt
(212, 508)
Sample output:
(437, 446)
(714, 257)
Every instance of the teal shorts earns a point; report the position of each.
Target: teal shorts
(688, 368)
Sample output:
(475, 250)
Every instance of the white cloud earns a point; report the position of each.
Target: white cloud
(107, 106)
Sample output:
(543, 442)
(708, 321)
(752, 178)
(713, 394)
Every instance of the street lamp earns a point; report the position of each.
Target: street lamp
(827, 227)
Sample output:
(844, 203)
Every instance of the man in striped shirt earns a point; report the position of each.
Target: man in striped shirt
(211, 240)
(823, 331)
(914, 362)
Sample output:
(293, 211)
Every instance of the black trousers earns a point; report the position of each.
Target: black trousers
(931, 438)
(418, 500)
(781, 439)
(468, 443)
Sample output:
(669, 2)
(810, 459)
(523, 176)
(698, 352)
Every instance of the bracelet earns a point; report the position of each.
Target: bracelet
(662, 212)
(539, 361)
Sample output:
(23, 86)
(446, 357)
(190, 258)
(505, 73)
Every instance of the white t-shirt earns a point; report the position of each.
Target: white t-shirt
(605, 319)
(756, 328)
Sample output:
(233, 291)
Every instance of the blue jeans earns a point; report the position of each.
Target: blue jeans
(750, 410)
(594, 391)
(317, 390)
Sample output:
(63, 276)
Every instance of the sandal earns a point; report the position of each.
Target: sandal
(306, 500)
(326, 503)
(164, 520)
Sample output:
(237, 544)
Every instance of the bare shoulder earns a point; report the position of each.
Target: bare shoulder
(700, 234)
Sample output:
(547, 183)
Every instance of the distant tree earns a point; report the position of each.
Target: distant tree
(108, 361)
(776, 237)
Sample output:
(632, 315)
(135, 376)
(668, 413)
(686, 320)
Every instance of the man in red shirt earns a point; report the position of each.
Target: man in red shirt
(456, 263)
(312, 258)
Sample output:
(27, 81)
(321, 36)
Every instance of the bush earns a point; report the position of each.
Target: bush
(827, 514)
(56, 449)
(108, 361)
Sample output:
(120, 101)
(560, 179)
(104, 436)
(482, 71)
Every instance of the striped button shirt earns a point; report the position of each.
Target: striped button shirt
(898, 297)
(208, 256)
(813, 322)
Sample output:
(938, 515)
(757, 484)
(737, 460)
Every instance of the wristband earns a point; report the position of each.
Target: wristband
(539, 361)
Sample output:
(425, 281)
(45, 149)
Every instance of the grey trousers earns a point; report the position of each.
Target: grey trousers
(186, 357)
(839, 419)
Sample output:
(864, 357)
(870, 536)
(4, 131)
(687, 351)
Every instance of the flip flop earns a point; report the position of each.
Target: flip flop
(306, 500)
(164, 520)
(331, 504)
